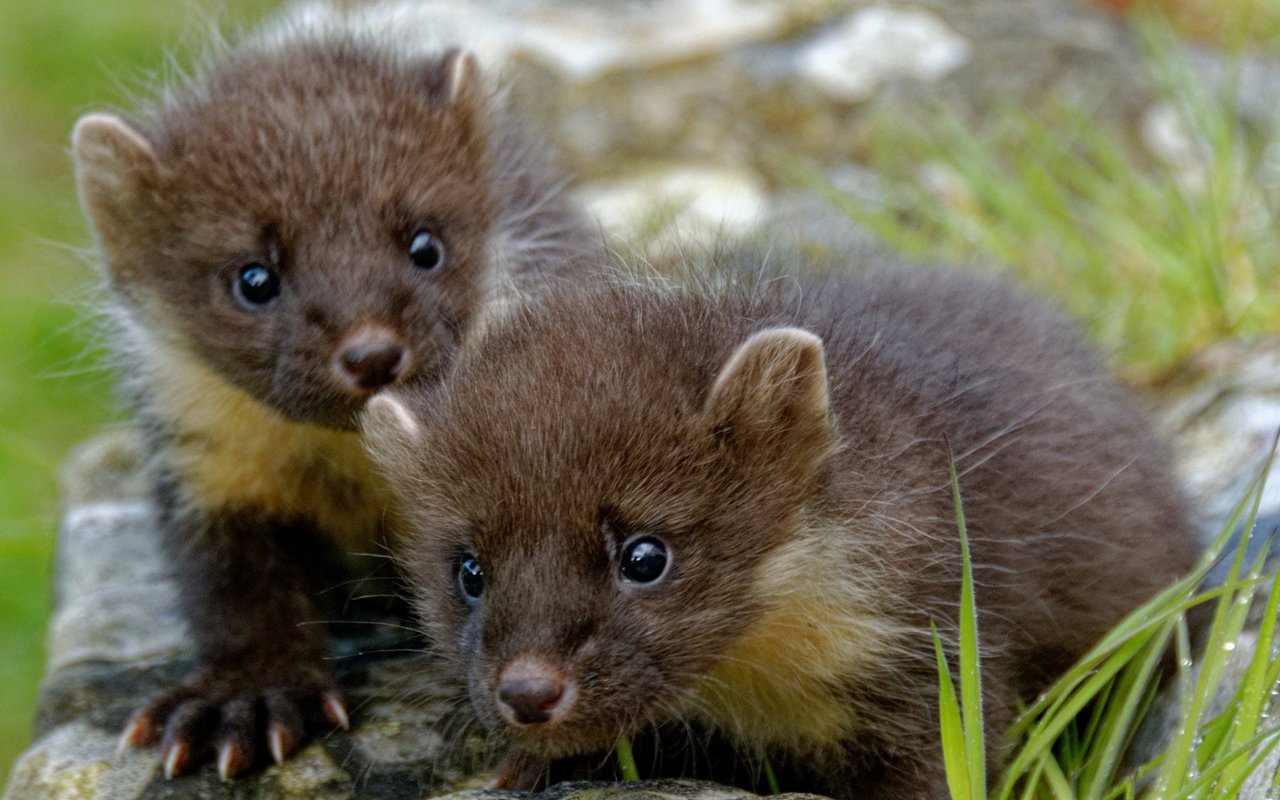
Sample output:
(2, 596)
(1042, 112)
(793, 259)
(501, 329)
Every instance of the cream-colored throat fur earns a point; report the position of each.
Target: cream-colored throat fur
(779, 686)
(231, 451)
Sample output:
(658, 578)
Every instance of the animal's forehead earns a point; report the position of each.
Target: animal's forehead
(566, 485)
(312, 109)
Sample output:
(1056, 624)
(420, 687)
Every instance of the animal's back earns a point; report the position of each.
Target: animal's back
(1072, 510)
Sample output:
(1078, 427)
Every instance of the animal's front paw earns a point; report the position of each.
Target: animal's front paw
(236, 717)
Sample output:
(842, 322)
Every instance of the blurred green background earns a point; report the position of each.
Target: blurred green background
(58, 59)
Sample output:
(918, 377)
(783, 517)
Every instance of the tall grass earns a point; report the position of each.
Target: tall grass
(1072, 743)
(963, 744)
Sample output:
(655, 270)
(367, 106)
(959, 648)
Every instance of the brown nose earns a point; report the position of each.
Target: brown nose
(370, 358)
(531, 700)
(531, 692)
(373, 365)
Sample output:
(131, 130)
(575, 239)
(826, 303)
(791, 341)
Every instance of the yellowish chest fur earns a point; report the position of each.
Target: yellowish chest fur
(229, 450)
(781, 684)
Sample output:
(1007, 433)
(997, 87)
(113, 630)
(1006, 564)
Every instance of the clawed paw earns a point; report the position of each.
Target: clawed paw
(238, 728)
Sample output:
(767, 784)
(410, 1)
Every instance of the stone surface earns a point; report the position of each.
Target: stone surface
(1223, 409)
(878, 44)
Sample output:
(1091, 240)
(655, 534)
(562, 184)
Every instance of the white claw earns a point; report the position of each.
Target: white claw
(275, 741)
(127, 736)
(172, 757)
(337, 712)
(225, 752)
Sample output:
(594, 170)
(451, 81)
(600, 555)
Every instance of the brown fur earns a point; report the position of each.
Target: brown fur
(790, 446)
(320, 154)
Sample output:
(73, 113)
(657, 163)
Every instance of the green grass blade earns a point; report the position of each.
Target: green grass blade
(1119, 721)
(970, 663)
(1059, 786)
(952, 728)
(1267, 740)
(1229, 617)
(770, 778)
(626, 760)
(1041, 738)
(1258, 683)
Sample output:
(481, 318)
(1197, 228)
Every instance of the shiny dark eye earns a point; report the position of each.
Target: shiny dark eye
(470, 578)
(426, 250)
(256, 285)
(644, 560)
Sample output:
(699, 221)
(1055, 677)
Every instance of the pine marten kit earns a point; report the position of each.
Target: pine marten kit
(318, 213)
(727, 510)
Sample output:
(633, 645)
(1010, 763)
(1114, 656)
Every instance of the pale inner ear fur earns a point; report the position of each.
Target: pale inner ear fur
(775, 373)
(391, 431)
(114, 162)
(771, 397)
(389, 413)
(110, 156)
(460, 72)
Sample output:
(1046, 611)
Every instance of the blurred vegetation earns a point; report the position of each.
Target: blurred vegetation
(1158, 255)
(58, 59)
(1233, 23)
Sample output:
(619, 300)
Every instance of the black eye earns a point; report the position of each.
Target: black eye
(644, 560)
(256, 285)
(470, 578)
(426, 250)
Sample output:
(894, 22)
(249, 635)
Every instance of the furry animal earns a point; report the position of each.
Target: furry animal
(317, 214)
(637, 507)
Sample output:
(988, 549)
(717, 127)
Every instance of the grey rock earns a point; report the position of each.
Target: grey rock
(1223, 410)
(878, 44)
(643, 790)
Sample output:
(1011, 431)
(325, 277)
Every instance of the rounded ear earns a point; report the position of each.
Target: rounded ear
(770, 400)
(461, 72)
(116, 166)
(391, 431)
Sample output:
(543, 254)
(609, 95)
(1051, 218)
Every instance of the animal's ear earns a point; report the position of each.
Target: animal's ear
(770, 400)
(116, 169)
(461, 73)
(392, 432)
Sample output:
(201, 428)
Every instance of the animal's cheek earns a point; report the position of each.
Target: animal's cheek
(452, 633)
(469, 634)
